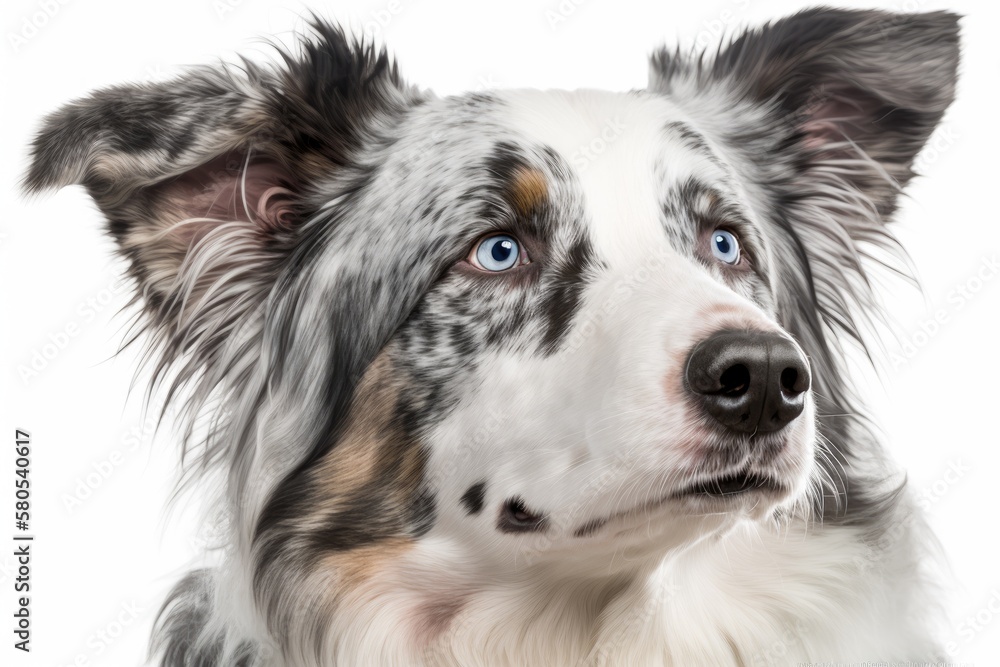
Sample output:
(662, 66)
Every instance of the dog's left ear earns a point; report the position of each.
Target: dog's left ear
(858, 92)
(824, 112)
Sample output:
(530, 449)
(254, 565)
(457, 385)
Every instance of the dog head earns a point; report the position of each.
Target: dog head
(512, 329)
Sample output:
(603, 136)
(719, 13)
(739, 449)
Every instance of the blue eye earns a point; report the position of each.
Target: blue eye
(497, 253)
(725, 247)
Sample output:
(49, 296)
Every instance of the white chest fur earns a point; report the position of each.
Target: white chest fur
(756, 596)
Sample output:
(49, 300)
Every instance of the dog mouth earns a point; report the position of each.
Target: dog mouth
(719, 489)
(732, 484)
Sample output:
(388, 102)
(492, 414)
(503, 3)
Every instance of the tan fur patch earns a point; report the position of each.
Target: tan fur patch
(353, 462)
(373, 461)
(528, 190)
(357, 566)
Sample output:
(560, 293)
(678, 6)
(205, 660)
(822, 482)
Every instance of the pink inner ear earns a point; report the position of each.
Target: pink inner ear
(233, 190)
(834, 116)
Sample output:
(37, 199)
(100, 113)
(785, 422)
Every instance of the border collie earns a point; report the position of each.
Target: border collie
(528, 378)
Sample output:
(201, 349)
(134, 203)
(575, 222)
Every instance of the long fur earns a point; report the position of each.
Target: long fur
(423, 463)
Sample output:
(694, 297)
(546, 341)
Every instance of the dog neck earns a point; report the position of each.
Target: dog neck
(757, 595)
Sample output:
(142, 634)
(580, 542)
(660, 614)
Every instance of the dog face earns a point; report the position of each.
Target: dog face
(547, 369)
(497, 331)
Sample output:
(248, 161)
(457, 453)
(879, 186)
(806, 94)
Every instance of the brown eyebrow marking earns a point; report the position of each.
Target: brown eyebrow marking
(528, 190)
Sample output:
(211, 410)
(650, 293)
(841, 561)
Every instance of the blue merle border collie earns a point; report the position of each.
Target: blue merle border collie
(528, 378)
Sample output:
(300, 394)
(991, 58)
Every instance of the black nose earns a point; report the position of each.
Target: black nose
(749, 381)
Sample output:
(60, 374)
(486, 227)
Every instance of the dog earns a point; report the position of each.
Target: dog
(526, 378)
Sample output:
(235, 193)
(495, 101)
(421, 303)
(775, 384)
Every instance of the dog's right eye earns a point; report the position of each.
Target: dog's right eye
(496, 253)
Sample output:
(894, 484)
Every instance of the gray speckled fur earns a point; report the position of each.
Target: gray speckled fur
(391, 185)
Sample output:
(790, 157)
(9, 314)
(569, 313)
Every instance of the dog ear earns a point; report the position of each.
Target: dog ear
(209, 183)
(825, 112)
(205, 178)
(827, 109)
(856, 92)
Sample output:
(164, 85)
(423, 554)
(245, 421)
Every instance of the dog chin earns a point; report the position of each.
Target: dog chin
(698, 511)
(708, 504)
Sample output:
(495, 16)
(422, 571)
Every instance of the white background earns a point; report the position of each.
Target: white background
(102, 566)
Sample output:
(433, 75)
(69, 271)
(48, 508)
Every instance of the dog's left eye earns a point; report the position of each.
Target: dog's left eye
(725, 246)
(496, 253)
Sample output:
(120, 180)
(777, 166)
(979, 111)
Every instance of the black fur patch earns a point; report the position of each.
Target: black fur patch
(423, 513)
(589, 528)
(569, 279)
(473, 498)
(515, 517)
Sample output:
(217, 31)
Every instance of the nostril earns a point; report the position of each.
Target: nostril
(789, 380)
(735, 380)
(749, 381)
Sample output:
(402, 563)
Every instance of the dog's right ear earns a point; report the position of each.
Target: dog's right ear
(204, 179)
(210, 183)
